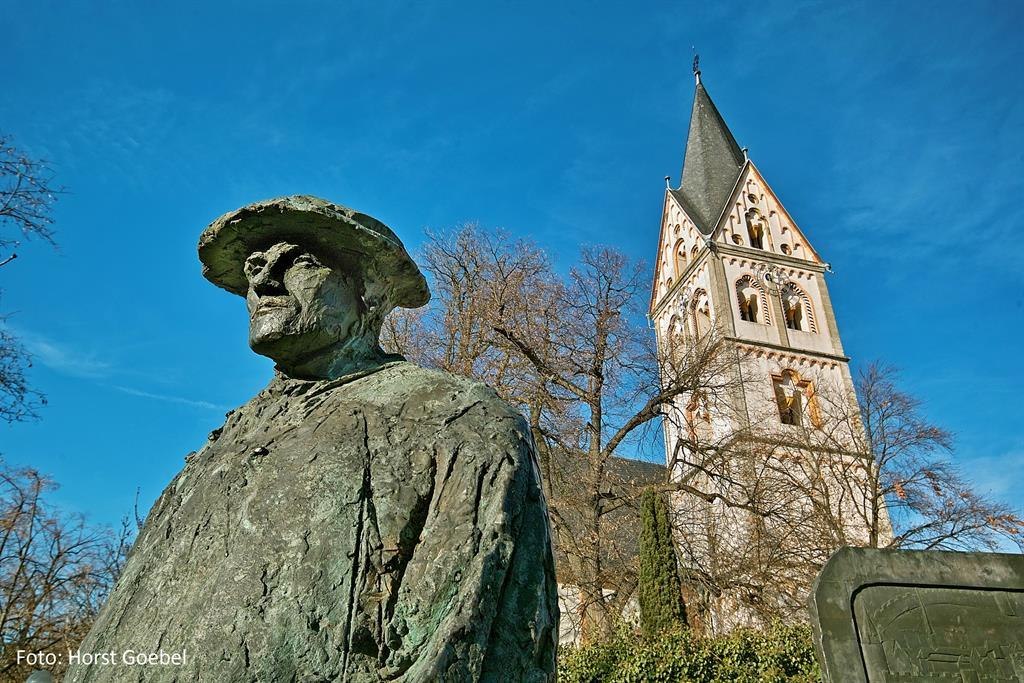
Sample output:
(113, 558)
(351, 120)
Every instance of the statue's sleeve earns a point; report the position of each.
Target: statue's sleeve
(478, 599)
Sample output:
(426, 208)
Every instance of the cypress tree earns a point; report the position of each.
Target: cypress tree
(661, 602)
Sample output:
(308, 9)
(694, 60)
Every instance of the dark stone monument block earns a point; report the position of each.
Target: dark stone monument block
(899, 616)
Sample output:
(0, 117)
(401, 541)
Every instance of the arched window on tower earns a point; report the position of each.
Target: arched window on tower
(698, 418)
(693, 252)
(674, 332)
(701, 313)
(748, 297)
(795, 399)
(748, 306)
(679, 256)
(796, 306)
(789, 398)
(756, 228)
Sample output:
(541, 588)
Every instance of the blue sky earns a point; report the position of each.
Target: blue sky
(892, 132)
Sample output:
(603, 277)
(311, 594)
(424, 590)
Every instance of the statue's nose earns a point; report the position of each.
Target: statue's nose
(268, 281)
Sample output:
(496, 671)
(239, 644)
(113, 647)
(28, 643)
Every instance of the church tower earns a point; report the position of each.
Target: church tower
(733, 264)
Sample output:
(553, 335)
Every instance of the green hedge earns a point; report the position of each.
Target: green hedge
(779, 653)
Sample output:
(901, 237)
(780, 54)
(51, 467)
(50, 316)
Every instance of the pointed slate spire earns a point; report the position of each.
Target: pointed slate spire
(712, 163)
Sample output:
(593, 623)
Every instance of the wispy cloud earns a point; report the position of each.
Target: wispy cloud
(67, 360)
(63, 358)
(998, 475)
(206, 405)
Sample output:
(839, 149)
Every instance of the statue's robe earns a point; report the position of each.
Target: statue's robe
(388, 526)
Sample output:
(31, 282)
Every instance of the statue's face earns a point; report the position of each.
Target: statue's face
(298, 306)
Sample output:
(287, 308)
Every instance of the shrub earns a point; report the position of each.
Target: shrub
(778, 653)
(661, 602)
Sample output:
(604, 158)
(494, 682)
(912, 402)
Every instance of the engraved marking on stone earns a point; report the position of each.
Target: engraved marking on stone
(958, 634)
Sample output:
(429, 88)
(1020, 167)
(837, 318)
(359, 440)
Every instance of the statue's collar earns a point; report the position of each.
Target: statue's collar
(282, 384)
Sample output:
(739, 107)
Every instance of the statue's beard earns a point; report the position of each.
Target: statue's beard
(320, 351)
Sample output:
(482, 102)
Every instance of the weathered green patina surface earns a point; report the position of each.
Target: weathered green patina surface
(362, 518)
(882, 615)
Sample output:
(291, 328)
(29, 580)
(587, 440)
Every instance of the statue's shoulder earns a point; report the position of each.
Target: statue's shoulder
(425, 392)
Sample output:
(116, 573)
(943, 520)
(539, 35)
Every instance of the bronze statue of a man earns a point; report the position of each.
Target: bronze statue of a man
(361, 518)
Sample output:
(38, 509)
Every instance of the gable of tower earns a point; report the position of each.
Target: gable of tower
(712, 163)
(679, 242)
(754, 217)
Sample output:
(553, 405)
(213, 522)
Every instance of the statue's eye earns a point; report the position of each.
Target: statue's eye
(306, 260)
(254, 264)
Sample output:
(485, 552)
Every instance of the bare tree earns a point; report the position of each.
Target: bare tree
(909, 493)
(27, 195)
(18, 401)
(575, 355)
(736, 520)
(759, 506)
(599, 361)
(751, 555)
(480, 278)
(875, 474)
(55, 571)
(403, 332)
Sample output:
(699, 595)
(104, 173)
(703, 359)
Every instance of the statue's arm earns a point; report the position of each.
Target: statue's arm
(477, 599)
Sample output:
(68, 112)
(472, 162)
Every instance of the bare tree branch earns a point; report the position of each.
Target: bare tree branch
(27, 196)
(55, 571)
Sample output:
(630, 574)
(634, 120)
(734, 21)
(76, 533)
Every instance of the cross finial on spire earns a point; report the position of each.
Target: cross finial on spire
(696, 65)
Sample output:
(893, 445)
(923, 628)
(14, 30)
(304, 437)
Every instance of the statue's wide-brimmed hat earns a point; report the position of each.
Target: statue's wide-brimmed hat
(346, 238)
